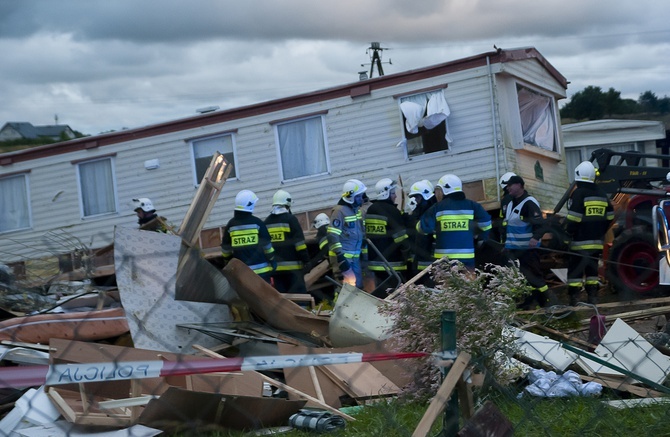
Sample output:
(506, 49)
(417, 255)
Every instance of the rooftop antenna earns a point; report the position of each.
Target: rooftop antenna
(375, 51)
(56, 119)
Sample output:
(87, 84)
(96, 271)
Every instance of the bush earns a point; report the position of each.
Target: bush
(484, 303)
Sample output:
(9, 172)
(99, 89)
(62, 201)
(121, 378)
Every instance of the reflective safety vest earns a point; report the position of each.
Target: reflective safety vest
(519, 232)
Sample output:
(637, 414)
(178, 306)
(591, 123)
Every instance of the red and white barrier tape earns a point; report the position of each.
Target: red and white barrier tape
(57, 374)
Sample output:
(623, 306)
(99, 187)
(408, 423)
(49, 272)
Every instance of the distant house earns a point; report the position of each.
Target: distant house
(26, 131)
(580, 139)
(476, 117)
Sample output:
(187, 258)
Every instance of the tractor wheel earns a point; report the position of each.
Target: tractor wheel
(632, 267)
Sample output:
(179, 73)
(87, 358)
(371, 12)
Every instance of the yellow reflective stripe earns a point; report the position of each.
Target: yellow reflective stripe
(335, 231)
(301, 246)
(401, 238)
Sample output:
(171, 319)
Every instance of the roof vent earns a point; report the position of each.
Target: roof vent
(207, 109)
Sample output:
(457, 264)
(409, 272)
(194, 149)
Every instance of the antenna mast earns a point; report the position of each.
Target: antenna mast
(375, 51)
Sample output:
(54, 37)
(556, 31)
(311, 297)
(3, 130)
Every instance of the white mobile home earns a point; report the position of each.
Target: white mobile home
(477, 117)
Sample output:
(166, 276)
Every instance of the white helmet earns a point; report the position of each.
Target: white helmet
(245, 201)
(423, 188)
(585, 172)
(450, 183)
(384, 188)
(144, 203)
(321, 220)
(351, 189)
(504, 179)
(281, 197)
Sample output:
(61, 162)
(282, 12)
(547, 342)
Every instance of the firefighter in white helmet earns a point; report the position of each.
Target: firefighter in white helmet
(453, 221)
(288, 241)
(147, 217)
(385, 228)
(590, 214)
(346, 233)
(247, 238)
(422, 193)
(320, 223)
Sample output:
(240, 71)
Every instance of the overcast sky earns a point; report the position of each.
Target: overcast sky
(104, 65)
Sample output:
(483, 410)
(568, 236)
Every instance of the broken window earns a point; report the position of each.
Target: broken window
(302, 148)
(538, 123)
(14, 204)
(204, 149)
(425, 125)
(97, 187)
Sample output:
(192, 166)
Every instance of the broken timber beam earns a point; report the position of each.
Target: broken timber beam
(439, 402)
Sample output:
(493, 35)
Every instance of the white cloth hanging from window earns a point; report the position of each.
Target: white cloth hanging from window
(426, 110)
(413, 113)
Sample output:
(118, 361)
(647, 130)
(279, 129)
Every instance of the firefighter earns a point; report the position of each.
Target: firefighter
(346, 233)
(504, 201)
(421, 194)
(247, 238)
(320, 223)
(289, 245)
(147, 217)
(523, 226)
(453, 221)
(590, 214)
(385, 228)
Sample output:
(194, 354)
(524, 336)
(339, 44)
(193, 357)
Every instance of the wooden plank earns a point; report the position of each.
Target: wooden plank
(363, 380)
(283, 386)
(413, 280)
(317, 272)
(203, 202)
(315, 381)
(439, 402)
(617, 384)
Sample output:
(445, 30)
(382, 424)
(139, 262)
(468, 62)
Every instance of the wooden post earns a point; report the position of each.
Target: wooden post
(439, 402)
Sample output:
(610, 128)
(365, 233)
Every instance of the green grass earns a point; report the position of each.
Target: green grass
(529, 416)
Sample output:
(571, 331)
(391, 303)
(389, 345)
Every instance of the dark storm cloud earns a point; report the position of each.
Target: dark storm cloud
(103, 64)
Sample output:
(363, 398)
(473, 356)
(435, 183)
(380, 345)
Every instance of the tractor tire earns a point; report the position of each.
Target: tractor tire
(632, 267)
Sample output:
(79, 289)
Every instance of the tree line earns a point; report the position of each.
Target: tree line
(592, 103)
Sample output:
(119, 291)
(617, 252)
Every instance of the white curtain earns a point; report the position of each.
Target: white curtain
(537, 121)
(427, 110)
(302, 148)
(97, 187)
(14, 209)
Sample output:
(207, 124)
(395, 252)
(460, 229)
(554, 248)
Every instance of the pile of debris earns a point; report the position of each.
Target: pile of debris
(178, 344)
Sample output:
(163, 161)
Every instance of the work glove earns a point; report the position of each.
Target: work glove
(342, 263)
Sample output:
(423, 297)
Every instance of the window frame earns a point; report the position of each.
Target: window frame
(112, 168)
(443, 132)
(26, 182)
(235, 175)
(277, 124)
(518, 86)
